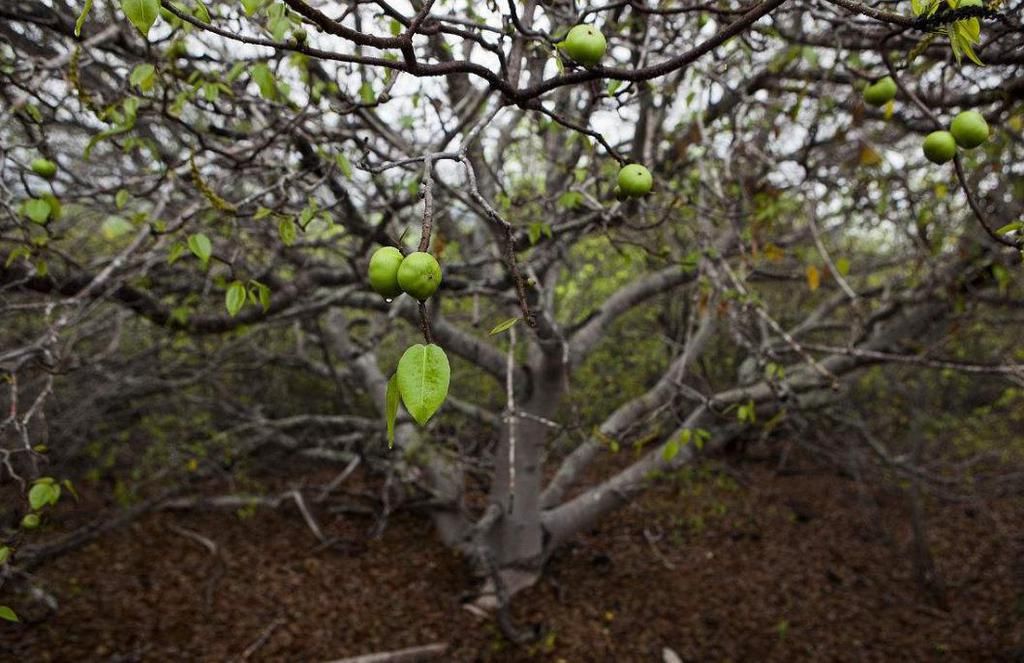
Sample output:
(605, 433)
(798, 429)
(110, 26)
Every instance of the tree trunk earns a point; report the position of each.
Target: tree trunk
(518, 538)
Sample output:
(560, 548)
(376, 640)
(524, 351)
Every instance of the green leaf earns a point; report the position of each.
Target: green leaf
(391, 408)
(570, 199)
(260, 294)
(235, 298)
(503, 326)
(201, 12)
(37, 210)
(286, 229)
(8, 614)
(670, 450)
(143, 76)
(366, 93)
(115, 227)
(396, 28)
(42, 494)
(1010, 227)
(177, 249)
(81, 18)
(142, 13)
(71, 488)
(423, 377)
(121, 198)
(843, 265)
(264, 79)
(17, 252)
(200, 245)
(343, 165)
(250, 6)
(5, 554)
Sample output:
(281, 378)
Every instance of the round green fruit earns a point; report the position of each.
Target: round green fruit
(880, 92)
(635, 180)
(30, 521)
(939, 146)
(969, 128)
(419, 275)
(585, 44)
(384, 264)
(44, 168)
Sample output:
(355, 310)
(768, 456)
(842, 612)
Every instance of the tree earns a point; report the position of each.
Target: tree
(251, 156)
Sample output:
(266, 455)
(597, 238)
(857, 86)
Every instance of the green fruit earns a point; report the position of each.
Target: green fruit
(585, 44)
(419, 275)
(44, 168)
(939, 146)
(635, 180)
(299, 35)
(30, 521)
(969, 128)
(880, 92)
(384, 265)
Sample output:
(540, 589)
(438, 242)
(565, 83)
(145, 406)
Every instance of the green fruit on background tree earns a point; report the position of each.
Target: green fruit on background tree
(44, 168)
(585, 44)
(384, 266)
(30, 521)
(880, 92)
(939, 146)
(419, 275)
(635, 180)
(969, 128)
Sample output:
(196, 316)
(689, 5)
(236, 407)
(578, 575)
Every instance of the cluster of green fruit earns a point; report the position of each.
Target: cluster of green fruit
(391, 273)
(968, 130)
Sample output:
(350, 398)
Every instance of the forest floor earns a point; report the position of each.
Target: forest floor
(751, 565)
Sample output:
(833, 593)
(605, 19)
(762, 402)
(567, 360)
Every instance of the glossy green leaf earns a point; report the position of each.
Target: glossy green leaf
(43, 494)
(142, 13)
(143, 76)
(343, 165)
(423, 377)
(1010, 227)
(234, 299)
(37, 210)
(259, 294)
(8, 614)
(503, 326)
(264, 79)
(286, 229)
(200, 245)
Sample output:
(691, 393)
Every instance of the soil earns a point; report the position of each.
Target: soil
(768, 567)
